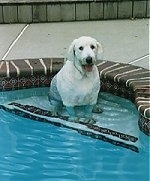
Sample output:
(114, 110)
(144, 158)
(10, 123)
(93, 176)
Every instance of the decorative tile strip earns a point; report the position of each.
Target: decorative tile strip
(124, 80)
(26, 110)
(144, 125)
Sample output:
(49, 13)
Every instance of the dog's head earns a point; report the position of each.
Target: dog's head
(84, 52)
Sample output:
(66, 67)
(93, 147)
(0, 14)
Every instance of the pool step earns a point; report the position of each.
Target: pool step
(33, 11)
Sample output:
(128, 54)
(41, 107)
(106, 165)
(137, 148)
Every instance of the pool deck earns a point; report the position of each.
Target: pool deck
(31, 53)
(124, 41)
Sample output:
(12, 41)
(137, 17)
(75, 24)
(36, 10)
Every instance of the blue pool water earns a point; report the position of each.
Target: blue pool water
(31, 150)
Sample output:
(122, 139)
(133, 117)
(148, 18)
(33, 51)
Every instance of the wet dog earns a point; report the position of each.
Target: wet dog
(78, 82)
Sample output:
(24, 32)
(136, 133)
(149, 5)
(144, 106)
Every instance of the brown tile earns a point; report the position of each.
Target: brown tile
(13, 82)
(33, 81)
(118, 89)
(12, 70)
(142, 100)
(136, 75)
(24, 68)
(3, 69)
(138, 84)
(127, 72)
(38, 68)
(3, 82)
(117, 70)
(103, 66)
(57, 64)
(144, 108)
(23, 82)
(44, 80)
(9, 83)
(53, 64)
(143, 92)
(144, 124)
(48, 63)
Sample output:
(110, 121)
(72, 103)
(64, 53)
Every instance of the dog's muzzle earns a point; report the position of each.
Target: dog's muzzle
(89, 64)
(89, 60)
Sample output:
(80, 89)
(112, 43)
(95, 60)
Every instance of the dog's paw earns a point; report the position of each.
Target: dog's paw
(73, 119)
(97, 109)
(54, 114)
(91, 121)
(87, 120)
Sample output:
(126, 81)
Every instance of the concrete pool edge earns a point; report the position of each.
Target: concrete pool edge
(121, 79)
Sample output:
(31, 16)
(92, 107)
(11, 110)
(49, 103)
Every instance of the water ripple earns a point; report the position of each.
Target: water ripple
(36, 151)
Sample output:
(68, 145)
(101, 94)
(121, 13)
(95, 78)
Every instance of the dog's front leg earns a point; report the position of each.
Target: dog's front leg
(88, 116)
(55, 107)
(97, 109)
(72, 114)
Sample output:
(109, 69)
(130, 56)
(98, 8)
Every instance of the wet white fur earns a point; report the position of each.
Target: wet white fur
(75, 85)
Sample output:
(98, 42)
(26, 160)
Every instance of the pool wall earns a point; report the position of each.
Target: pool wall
(121, 79)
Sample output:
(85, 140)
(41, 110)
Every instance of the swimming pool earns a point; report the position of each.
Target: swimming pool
(32, 150)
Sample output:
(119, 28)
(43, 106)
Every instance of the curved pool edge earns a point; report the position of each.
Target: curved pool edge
(124, 80)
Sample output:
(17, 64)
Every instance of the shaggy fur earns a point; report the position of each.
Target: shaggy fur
(78, 82)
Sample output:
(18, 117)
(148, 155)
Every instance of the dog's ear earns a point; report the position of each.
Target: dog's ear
(71, 51)
(99, 51)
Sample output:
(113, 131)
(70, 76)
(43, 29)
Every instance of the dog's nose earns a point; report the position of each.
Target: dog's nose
(89, 60)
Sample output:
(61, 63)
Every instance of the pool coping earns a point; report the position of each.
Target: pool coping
(124, 80)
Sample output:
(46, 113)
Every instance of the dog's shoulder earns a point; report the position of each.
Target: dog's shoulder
(68, 69)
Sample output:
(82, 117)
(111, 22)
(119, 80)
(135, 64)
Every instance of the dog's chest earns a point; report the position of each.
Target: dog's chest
(84, 86)
(75, 89)
(80, 92)
(85, 92)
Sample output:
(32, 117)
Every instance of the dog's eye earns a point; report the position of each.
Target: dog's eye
(81, 48)
(92, 47)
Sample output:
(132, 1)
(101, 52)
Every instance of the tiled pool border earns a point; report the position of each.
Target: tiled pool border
(121, 79)
(33, 11)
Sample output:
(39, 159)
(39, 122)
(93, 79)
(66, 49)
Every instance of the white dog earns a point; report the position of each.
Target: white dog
(78, 82)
